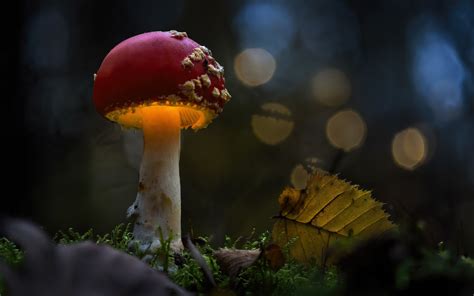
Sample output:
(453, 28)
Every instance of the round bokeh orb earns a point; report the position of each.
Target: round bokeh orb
(331, 87)
(409, 148)
(273, 124)
(254, 66)
(346, 130)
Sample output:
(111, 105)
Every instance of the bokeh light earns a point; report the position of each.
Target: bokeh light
(331, 87)
(346, 130)
(397, 64)
(312, 164)
(438, 72)
(301, 172)
(409, 148)
(273, 125)
(48, 111)
(254, 66)
(329, 29)
(264, 25)
(299, 177)
(47, 53)
(148, 15)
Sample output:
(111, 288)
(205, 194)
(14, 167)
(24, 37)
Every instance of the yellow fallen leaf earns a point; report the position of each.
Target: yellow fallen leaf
(327, 213)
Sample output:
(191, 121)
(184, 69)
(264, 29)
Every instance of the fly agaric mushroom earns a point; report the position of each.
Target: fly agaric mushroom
(160, 82)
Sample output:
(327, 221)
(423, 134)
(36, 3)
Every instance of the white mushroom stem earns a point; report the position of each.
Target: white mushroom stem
(158, 202)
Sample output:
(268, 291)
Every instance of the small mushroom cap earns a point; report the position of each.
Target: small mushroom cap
(160, 69)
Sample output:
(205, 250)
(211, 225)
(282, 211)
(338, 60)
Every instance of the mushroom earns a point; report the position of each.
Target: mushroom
(160, 82)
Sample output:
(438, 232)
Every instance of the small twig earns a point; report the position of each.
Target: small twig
(188, 244)
(336, 161)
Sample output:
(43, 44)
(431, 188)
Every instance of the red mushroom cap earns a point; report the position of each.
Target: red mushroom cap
(160, 68)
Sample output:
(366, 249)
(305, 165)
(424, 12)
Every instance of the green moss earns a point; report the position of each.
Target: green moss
(119, 238)
(292, 279)
(188, 273)
(444, 262)
(9, 254)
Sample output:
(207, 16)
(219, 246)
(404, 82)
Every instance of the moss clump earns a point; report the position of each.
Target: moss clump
(292, 278)
(119, 238)
(11, 255)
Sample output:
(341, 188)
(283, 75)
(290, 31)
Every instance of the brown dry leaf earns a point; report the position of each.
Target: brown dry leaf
(328, 212)
(274, 256)
(232, 261)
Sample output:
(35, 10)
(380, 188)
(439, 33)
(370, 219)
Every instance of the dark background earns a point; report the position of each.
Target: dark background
(409, 64)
